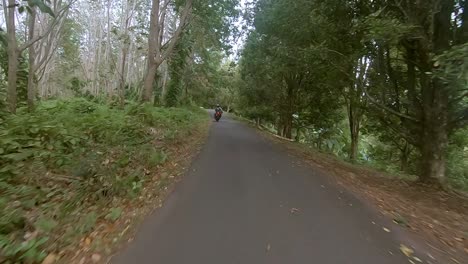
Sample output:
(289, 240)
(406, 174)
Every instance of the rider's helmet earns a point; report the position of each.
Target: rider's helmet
(217, 105)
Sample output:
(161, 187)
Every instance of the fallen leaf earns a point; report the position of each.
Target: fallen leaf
(386, 230)
(417, 259)
(294, 210)
(87, 241)
(406, 250)
(96, 258)
(429, 255)
(50, 259)
(458, 239)
(30, 235)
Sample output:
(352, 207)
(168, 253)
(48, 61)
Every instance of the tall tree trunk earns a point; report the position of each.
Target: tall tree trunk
(122, 75)
(433, 148)
(108, 61)
(12, 54)
(354, 117)
(125, 47)
(155, 55)
(355, 101)
(32, 61)
(97, 67)
(288, 125)
(434, 138)
(153, 52)
(353, 154)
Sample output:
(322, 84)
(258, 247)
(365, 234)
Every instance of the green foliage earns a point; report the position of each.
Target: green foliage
(114, 214)
(27, 252)
(457, 168)
(195, 68)
(42, 6)
(177, 66)
(156, 157)
(373, 74)
(63, 161)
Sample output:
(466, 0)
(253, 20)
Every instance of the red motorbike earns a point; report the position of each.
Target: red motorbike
(217, 116)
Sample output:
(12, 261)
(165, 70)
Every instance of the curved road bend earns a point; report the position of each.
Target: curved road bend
(246, 201)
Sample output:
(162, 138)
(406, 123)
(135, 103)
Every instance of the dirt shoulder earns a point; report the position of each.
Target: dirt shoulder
(438, 217)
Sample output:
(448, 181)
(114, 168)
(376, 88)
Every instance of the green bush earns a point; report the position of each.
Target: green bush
(67, 158)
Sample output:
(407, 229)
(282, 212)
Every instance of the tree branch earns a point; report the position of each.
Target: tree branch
(183, 20)
(402, 10)
(388, 109)
(401, 133)
(461, 97)
(52, 26)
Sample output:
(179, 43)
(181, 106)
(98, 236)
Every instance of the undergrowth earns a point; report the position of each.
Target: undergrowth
(67, 160)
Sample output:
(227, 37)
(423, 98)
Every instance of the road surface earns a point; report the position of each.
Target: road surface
(246, 201)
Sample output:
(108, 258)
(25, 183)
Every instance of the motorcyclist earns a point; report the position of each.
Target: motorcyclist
(218, 109)
(218, 112)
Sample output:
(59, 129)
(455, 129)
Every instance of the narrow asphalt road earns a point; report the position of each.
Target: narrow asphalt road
(246, 201)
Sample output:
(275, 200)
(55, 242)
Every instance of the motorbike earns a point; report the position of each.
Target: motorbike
(217, 116)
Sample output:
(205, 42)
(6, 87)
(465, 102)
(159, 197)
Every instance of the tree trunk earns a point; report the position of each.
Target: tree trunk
(298, 135)
(155, 55)
(433, 150)
(288, 127)
(149, 80)
(434, 138)
(354, 125)
(123, 74)
(404, 156)
(353, 153)
(153, 52)
(12, 54)
(32, 61)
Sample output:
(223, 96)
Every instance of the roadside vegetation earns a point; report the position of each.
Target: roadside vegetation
(381, 83)
(97, 97)
(74, 163)
(97, 114)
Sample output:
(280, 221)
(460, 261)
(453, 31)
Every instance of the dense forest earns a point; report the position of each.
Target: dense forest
(379, 82)
(383, 83)
(61, 49)
(94, 97)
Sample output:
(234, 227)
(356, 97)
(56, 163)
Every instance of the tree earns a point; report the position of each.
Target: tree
(158, 52)
(432, 103)
(14, 51)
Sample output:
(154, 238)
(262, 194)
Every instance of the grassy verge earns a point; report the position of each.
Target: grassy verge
(73, 165)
